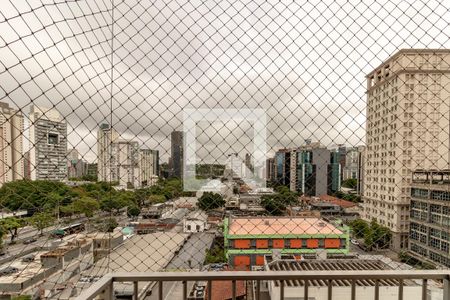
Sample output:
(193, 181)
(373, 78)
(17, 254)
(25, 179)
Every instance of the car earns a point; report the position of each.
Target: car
(8, 271)
(29, 241)
(354, 242)
(28, 258)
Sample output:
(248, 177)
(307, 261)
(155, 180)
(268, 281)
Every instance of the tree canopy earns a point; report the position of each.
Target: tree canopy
(40, 221)
(210, 200)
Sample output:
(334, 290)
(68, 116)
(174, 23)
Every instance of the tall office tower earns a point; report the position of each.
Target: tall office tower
(350, 168)
(361, 163)
(407, 129)
(270, 169)
(283, 167)
(126, 158)
(26, 165)
(177, 139)
(73, 154)
(342, 150)
(234, 166)
(106, 168)
(317, 170)
(149, 166)
(48, 144)
(11, 144)
(248, 161)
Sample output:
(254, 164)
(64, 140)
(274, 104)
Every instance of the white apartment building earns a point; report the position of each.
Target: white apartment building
(407, 124)
(149, 166)
(48, 144)
(126, 160)
(106, 136)
(11, 144)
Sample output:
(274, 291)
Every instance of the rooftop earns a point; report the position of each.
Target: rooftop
(280, 225)
(334, 265)
(342, 203)
(222, 289)
(141, 253)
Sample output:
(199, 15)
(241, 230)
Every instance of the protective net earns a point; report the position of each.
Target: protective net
(145, 136)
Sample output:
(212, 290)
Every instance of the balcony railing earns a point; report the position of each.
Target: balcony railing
(402, 284)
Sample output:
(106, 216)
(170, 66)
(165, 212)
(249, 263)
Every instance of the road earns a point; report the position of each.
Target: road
(194, 250)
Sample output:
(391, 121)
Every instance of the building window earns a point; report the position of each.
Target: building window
(52, 138)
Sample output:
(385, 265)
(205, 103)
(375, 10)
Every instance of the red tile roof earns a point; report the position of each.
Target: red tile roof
(342, 203)
(280, 225)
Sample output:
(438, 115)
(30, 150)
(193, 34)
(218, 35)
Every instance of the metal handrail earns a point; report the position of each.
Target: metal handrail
(105, 285)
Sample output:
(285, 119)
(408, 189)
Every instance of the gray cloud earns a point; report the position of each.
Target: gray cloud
(303, 62)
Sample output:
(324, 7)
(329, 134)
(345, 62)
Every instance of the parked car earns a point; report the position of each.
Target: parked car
(29, 241)
(28, 258)
(8, 271)
(354, 242)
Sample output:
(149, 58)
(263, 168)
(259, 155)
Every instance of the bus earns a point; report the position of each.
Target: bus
(70, 229)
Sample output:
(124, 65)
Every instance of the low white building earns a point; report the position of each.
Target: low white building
(196, 221)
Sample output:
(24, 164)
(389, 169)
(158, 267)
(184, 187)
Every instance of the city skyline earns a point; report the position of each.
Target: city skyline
(323, 82)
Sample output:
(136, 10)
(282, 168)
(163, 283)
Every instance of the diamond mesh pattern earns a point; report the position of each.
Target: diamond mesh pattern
(92, 94)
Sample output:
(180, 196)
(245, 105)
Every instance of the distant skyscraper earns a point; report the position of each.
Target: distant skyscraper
(407, 129)
(315, 170)
(270, 169)
(73, 154)
(92, 170)
(26, 165)
(126, 158)
(106, 136)
(351, 165)
(48, 144)
(283, 167)
(177, 153)
(149, 166)
(11, 144)
(361, 164)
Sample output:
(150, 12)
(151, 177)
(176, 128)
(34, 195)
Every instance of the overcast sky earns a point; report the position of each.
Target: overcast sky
(304, 62)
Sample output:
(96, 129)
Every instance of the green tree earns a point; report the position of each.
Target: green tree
(154, 199)
(110, 224)
(11, 225)
(215, 255)
(359, 228)
(350, 183)
(210, 200)
(273, 205)
(41, 221)
(86, 206)
(133, 211)
(374, 234)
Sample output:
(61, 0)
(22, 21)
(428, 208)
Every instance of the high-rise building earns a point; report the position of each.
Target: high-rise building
(177, 153)
(407, 128)
(76, 167)
(315, 170)
(73, 154)
(351, 165)
(430, 217)
(149, 166)
(106, 168)
(270, 169)
(11, 144)
(283, 167)
(48, 144)
(92, 170)
(26, 165)
(126, 159)
(361, 164)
